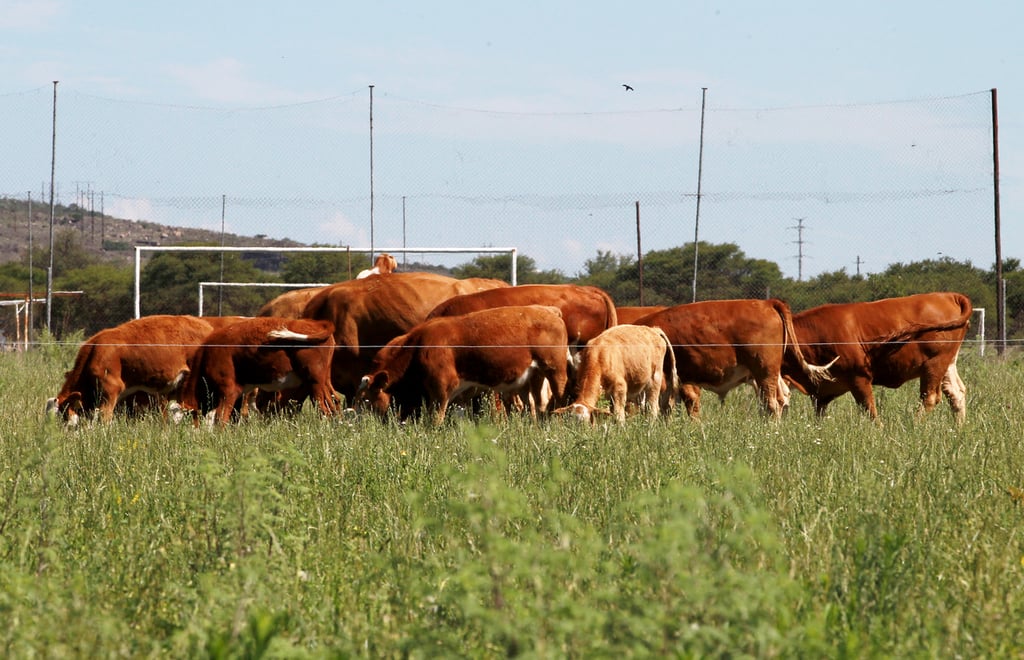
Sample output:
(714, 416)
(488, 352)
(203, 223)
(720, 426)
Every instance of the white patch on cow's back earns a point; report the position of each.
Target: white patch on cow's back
(285, 333)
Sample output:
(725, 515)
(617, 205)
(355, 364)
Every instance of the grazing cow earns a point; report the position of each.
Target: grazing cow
(720, 344)
(148, 355)
(628, 313)
(370, 312)
(272, 354)
(289, 305)
(382, 265)
(886, 342)
(631, 363)
(500, 349)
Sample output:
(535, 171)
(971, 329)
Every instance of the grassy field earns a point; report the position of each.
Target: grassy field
(325, 538)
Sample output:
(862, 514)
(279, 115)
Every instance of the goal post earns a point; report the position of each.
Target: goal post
(139, 249)
(279, 285)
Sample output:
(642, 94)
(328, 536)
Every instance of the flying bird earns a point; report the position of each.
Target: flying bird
(628, 88)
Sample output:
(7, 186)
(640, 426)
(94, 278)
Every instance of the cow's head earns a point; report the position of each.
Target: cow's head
(69, 410)
(372, 393)
(583, 412)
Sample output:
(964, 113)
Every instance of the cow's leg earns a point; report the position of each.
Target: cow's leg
(652, 395)
(860, 387)
(767, 391)
(226, 406)
(956, 392)
(111, 389)
(617, 396)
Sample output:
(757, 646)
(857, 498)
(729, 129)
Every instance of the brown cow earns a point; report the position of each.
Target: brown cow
(272, 354)
(289, 305)
(631, 363)
(587, 310)
(149, 354)
(886, 342)
(370, 312)
(720, 344)
(629, 313)
(500, 349)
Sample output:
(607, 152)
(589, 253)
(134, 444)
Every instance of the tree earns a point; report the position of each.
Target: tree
(169, 284)
(499, 267)
(324, 267)
(106, 301)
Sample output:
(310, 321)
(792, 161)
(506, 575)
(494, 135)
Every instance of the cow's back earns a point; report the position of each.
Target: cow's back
(587, 311)
(290, 303)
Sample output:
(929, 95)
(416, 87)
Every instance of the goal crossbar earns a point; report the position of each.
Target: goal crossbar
(139, 249)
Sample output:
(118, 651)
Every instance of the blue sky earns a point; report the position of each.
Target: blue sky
(540, 59)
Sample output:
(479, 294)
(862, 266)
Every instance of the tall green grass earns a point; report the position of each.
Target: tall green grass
(310, 537)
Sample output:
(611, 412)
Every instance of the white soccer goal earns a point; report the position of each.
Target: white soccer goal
(278, 285)
(139, 249)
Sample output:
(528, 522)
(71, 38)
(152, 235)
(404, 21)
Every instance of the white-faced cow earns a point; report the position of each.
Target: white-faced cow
(886, 342)
(147, 355)
(370, 312)
(272, 354)
(382, 265)
(629, 363)
(500, 349)
(721, 344)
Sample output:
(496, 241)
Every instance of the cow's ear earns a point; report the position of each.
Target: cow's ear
(380, 380)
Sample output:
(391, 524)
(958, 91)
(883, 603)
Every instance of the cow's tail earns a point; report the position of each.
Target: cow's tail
(911, 330)
(816, 374)
(611, 315)
(669, 368)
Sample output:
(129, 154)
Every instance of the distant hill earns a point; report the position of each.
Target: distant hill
(108, 238)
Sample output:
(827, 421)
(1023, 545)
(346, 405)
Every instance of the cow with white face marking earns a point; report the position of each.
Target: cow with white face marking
(148, 356)
(504, 349)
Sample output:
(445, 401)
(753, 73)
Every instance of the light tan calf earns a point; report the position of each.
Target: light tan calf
(630, 363)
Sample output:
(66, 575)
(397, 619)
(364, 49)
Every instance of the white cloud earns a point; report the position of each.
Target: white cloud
(27, 14)
(225, 81)
(339, 229)
(130, 208)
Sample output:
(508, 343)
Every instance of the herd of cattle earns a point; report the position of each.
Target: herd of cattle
(413, 343)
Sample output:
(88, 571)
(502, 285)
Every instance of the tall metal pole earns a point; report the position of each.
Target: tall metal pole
(371, 174)
(53, 176)
(700, 176)
(31, 293)
(639, 254)
(220, 288)
(1000, 289)
(404, 254)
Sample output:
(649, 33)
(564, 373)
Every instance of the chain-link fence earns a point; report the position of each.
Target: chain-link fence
(815, 189)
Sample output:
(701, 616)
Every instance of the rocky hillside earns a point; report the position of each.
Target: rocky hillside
(109, 238)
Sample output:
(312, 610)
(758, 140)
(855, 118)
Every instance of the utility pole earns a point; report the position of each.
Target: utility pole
(371, 174)
(700, 177)
(800, 248)
(53, 176)
(859, 262)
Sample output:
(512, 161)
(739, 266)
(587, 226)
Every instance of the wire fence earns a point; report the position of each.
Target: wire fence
(815, 189)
